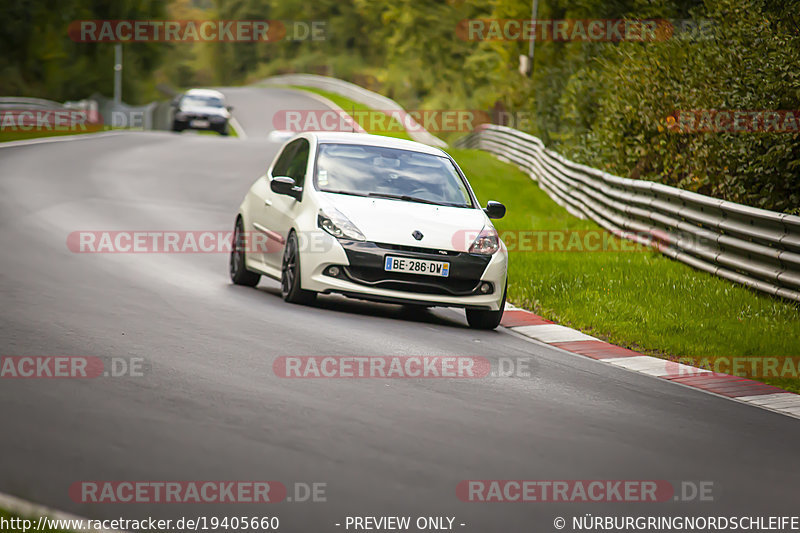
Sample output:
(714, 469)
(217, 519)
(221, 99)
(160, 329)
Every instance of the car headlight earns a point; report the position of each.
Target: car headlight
(486, 243)
(217, 118)
(338, 225)
(180, 115)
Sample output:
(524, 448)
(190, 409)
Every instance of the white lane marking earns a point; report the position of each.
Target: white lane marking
(767, 398)
(240, 133)
(752, 401)
(29, 510)
(779, 400)
(790, 401)
(550, 333)
(59, 139)
(655, 366)
(788, 404)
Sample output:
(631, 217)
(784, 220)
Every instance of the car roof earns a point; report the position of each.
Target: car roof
(205, 92)
(373, 140)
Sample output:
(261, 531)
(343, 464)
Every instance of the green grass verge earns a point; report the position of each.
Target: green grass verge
(373, 122)
(7, 136)
(638, 299)
(641, 300)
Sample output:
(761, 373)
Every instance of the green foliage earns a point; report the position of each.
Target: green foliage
(37, 57)
(600, 103)
(747, 62)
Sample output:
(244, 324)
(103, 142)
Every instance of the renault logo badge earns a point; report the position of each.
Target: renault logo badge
(417, 235)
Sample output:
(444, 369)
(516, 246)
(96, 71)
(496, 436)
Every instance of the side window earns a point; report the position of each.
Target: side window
(282, 165)
(297, 167)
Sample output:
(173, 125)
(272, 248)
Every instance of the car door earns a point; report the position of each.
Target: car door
(265, 241)
(285, 208)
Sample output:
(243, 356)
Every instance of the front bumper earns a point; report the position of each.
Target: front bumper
(215, 123)
(362, 275)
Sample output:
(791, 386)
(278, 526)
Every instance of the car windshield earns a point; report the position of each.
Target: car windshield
(390, 173)
(194, 100)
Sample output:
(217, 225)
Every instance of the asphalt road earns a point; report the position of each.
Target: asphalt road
(210, 407)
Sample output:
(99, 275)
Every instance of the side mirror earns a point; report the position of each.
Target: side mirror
(229, 107)
(285, 185)
(495, 210)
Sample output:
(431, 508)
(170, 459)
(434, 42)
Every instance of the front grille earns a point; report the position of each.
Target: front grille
(195, 116)
(402, 281)
(402, 248)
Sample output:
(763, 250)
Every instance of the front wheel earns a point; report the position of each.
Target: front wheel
(290, 274)
(482, 319)
(239, 273)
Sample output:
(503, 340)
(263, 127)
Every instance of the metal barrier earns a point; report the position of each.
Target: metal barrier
(362, 96)
(754, 247)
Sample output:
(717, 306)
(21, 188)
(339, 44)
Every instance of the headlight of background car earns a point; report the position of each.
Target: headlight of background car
(217, 118)
(180, 115)
(338, 225)
(487, 242)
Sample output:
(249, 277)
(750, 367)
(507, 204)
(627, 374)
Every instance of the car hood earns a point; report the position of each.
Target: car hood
(206, 110)
(394, 221)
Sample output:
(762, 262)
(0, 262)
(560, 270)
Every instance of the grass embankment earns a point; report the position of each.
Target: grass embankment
(11, 135)
(371, 120)
(638, 299)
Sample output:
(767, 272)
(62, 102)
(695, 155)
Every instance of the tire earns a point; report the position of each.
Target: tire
(290, 274)
(237, 266)
(481, 319)
(224, 132)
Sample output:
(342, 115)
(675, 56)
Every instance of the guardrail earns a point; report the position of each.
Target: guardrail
(754, 247)
(23, 102)
(99, 109)
(362, 96)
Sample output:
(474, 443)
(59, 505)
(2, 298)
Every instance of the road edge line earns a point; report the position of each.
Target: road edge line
(750, 393)
(240, 133)
(59, 138)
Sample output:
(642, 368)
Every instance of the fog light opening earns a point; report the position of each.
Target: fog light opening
(486, 287)
(333, 271)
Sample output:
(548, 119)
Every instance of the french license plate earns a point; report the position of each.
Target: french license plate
(417, 266)
(199, 123)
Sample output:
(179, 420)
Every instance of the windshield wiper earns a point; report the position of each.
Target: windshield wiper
(340, 191)
(407, 198)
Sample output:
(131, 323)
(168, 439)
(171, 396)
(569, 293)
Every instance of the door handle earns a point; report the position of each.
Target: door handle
(267, 202)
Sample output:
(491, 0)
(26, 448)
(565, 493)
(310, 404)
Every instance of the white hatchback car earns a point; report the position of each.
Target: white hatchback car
(374, 218)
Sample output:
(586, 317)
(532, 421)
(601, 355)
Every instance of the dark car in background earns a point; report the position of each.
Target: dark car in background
(201, 109)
